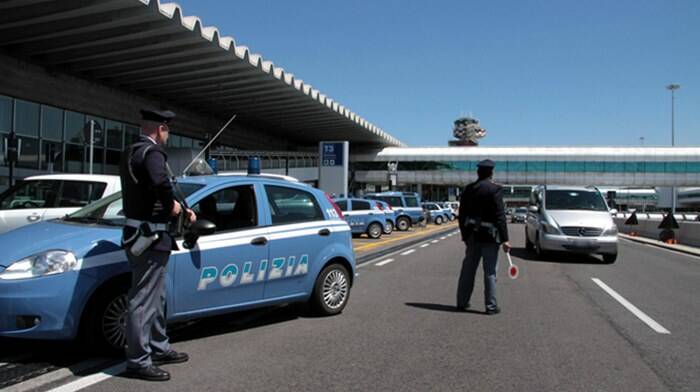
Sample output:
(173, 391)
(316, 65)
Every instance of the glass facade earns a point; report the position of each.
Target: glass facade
(52, 139)
(677, 167)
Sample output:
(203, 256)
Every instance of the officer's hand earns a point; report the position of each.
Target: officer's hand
(177, 209)
(191, 216)
(506, 246)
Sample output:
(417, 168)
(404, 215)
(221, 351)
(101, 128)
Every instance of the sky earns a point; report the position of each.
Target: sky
(535, 73)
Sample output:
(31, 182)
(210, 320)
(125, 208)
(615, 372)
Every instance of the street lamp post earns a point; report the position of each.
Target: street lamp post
(673, 87)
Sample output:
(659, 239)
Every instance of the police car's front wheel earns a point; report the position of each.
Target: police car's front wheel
(331, 290)
(106, 330)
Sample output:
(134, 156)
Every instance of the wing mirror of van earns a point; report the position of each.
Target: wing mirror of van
(533, 209)
(613, 211)
(197, 229)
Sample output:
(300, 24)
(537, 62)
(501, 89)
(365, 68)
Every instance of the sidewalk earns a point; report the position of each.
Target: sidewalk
(678, 247)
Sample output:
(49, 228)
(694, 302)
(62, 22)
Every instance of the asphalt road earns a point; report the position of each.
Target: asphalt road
(559, 330)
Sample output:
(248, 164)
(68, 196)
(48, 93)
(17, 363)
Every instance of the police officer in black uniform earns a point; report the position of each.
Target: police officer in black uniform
(150, 205)
(482, 223)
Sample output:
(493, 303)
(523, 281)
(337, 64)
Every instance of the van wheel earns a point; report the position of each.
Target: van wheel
(106, 323)
(528, 244)
(438, 220)
(389, 227)
(403, 223)
(331, 290)
(609, 259)
(374, 230)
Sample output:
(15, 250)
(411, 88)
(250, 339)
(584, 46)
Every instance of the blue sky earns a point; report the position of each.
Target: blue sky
(555, 72)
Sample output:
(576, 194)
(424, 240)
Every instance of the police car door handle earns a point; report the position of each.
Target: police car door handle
(259, 241)
(324, 232)
(33, 218)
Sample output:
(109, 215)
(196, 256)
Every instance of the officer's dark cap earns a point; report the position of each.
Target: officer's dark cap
(160, 116)
(486, 163)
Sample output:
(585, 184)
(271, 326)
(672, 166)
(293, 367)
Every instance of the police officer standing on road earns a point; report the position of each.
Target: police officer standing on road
(149, 205)
(482, 223)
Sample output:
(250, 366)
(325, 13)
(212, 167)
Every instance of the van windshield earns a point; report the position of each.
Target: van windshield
(574, 200)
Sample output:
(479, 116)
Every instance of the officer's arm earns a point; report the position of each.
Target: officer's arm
(462, 217)
(158, 176)
(501, 215)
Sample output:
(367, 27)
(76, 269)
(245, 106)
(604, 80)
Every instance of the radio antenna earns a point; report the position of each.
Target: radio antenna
(184, 171)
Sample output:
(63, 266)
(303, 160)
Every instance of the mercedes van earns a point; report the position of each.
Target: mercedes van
(570, 219)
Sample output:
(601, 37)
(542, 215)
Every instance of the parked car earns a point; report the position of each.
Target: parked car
(447, 207)
(389, 215)
(519, 215)
(406, 205)
(570, 219)
(363, 216)
(437, 214)
(39, 198)
(274, 241)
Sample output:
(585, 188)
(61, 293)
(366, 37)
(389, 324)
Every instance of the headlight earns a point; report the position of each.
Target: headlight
(46, 263)
(612, 230)
(549, 228)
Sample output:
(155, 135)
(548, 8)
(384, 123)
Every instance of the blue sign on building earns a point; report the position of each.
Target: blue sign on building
(332, 154)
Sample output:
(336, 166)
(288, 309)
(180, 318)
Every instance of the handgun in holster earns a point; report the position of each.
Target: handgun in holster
(146, 237)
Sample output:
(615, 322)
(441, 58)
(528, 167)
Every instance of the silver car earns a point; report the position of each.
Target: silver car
(570, 219)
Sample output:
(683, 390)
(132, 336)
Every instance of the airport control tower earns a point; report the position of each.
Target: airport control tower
(467, 131)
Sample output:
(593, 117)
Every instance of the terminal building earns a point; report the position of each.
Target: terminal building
(64, 63)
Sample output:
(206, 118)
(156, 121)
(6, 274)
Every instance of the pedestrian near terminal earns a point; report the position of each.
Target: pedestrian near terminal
(150, 206)
(482, 223)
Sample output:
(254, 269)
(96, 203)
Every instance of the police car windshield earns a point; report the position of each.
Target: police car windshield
(109, 210)
(574, 200)
(411, 201)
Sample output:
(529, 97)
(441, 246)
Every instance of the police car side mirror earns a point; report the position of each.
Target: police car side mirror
(533, 209)
(613, 211)
(197, 229)
(202, 227)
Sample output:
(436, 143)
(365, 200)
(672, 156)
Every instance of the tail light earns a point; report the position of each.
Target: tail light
(379, 207)
(335, 206)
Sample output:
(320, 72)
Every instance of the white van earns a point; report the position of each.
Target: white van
(40, 198)
(570, 219)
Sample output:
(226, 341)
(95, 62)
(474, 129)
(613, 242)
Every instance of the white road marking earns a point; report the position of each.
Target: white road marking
(92, 379)
(442, 238)
(387, 261)
(641, 315)
(674, 251)
(425, 245)
(408, 252)
(434, 241)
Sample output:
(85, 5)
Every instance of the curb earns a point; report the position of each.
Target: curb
(391, 249)
(647, 241)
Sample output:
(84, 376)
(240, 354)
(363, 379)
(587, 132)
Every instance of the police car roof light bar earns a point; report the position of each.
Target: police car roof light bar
(254, 165)
(184, 172)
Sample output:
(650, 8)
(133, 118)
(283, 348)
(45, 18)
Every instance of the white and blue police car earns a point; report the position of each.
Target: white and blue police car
(406, 205)
(389, 216)
(363, 216)
(275, 241)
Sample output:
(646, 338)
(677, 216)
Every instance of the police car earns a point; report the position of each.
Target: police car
(406, 205)
(389, 216)
(438, 215)
(363, 216)
(275, 241)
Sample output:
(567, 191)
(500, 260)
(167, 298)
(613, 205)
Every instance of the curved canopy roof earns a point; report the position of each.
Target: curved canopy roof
(146, 47)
